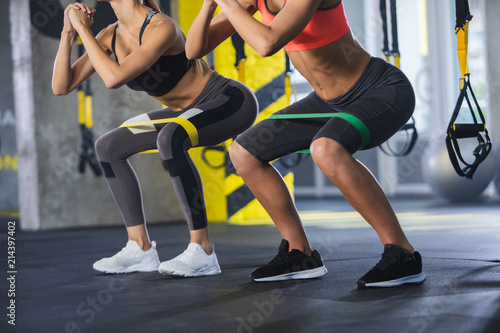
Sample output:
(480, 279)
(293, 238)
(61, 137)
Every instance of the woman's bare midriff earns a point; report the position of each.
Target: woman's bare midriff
(334, 68)
(185, 91)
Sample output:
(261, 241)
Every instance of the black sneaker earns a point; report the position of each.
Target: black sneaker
(394, 269)
(290, 265)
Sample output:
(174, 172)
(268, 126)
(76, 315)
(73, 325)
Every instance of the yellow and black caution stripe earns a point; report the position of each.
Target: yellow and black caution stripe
(272, 95)
(241, 203)
(226, 195)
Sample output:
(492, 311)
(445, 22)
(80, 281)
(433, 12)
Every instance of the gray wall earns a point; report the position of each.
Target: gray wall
(59, 196)
(8, 152)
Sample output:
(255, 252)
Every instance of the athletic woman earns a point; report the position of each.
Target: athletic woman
(371, 100)
(204, 108)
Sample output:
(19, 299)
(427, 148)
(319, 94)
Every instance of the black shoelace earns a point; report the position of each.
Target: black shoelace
(281, 257)
(388, 260)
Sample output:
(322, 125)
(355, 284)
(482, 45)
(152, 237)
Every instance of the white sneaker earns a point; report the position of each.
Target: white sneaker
(130, 259)
(194, 261)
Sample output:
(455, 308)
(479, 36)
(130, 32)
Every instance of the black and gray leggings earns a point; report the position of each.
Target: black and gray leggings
(223, 110)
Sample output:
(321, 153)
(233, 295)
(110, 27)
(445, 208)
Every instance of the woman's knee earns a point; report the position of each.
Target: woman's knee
(328, 154)
(242, 160)
(165, 136)
(113, 144)
(104, 146)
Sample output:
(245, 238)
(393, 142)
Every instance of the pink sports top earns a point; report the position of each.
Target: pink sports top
(327, 25)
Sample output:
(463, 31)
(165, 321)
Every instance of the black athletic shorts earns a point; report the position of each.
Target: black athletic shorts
(374, 109)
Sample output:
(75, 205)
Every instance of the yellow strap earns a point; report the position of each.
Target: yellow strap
(88, 111)
(288, 88)
(241, 71)
(186, 124)
(462, 44)
(81, 107)
(397, 60)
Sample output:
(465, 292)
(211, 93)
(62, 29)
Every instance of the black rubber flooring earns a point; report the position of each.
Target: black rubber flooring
(57, 290)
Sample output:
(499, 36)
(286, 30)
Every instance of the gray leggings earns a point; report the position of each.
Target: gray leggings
(223, 110)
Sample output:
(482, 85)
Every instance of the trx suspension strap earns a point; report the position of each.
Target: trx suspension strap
(477, 129)
(394, 30)
(383, 14)
(218, 148)
(87, 151)
(410, 126)
(241, 57)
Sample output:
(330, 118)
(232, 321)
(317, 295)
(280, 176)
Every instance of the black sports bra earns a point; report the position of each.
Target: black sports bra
(163, 75)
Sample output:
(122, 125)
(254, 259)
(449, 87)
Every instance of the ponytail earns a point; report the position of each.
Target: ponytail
(198, 65)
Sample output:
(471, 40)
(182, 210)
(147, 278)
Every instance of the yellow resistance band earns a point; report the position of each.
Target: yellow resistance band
(186, 124)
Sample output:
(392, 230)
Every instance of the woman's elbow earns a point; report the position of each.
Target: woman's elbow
(59, 92)
(265, 52)
(266, 49)
(194, 53)
(191, 55)
(112, 83)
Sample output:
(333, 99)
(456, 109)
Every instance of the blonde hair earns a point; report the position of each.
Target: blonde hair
(200, 66)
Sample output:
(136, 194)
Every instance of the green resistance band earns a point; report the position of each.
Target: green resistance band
(358, 124)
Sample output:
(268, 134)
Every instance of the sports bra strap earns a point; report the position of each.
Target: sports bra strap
(144, 25)
(146, 22)
(113, 41)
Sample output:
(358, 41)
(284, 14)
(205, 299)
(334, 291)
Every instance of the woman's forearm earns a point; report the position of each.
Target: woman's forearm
(62, 76)
(106, 67)
(197, 43)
